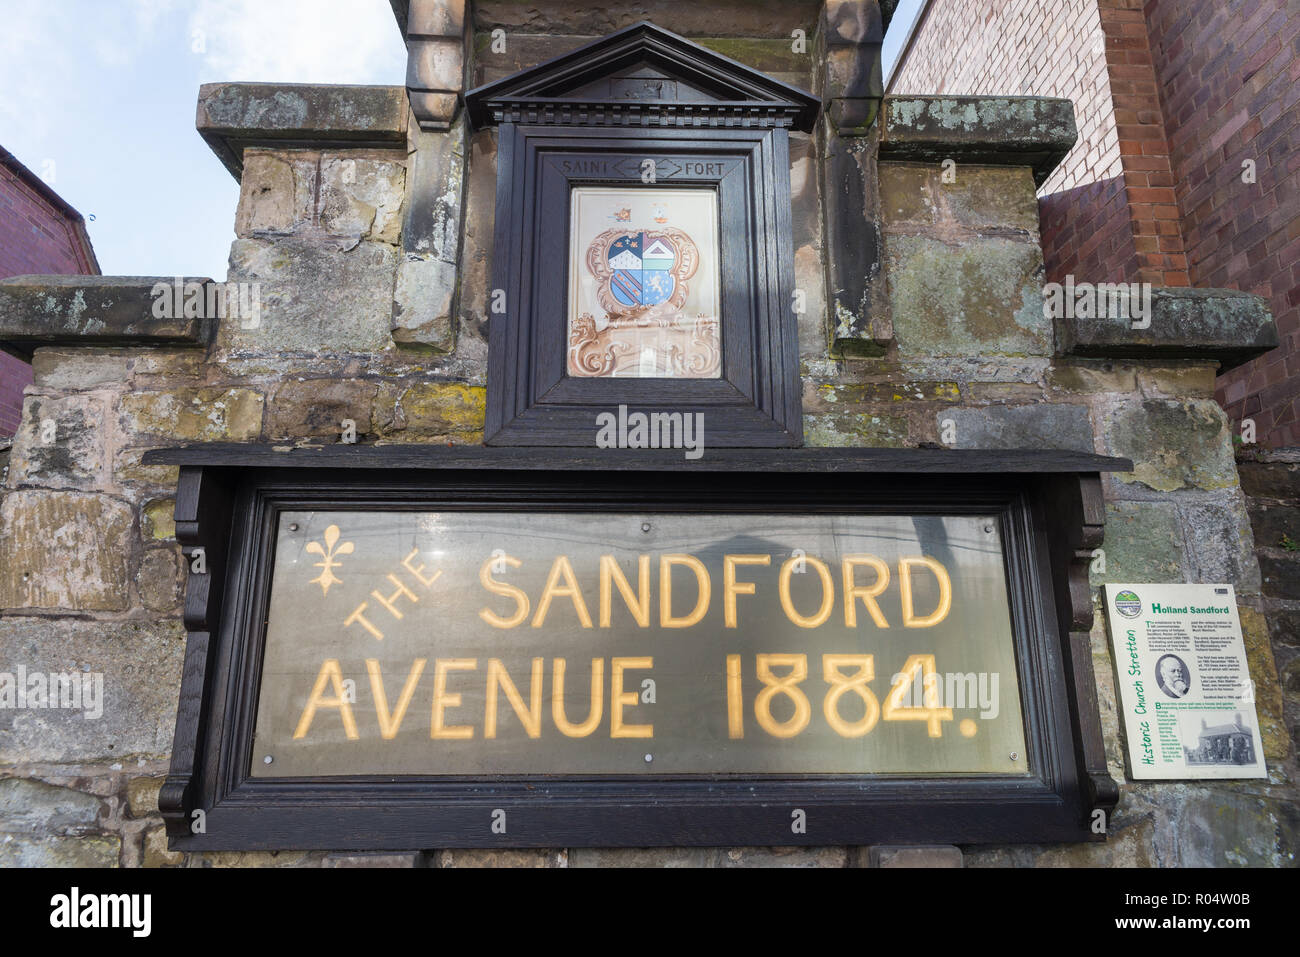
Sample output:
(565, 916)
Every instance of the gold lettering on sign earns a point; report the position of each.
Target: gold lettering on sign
(853, 591)
(841, 684)
(896, 706)
(787, 686)
(358, 616)
(442, 700)
(597, 699)
(910, 619)
(666, 563)
(507, 590)
(828, 592)
(426, 582)
(530, 717)
(731, 588)
(330, 672)
(388, 602)
(561, 569)
(638, 602)
(390, 723)
(562, 582)
(618, 699)
(365, 622)
(735, 707)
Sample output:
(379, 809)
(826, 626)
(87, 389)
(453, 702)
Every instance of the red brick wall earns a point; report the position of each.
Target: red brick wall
(36, 237)
(1108, 212)
(1143, 147)
(1229, 73)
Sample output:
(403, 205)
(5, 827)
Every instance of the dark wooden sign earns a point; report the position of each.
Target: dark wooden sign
(401, 648)
(470, 643)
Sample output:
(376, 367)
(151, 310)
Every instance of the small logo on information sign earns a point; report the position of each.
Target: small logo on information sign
(1128, 604)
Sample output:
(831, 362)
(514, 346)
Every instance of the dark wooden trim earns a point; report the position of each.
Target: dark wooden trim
(757, 403)
(204, 508)
(1075, 514)
(214, 729)
(762, 461)
(545, 94)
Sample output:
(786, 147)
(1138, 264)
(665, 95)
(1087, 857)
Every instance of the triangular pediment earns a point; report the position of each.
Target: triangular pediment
(641, 71)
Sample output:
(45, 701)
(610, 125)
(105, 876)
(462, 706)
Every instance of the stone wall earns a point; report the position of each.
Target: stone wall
(372, 261)
(1271, 481)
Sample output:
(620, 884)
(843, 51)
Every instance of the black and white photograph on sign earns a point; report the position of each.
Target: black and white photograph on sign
(1218, 737)
(1172, 676)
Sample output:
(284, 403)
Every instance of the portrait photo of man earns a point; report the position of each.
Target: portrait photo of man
(1172, 676)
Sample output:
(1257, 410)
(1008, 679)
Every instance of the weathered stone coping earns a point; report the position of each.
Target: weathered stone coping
(821, 460)
(235, 116)
(580, 16)
(1034, 131)
(91, 311)
(1226, 325)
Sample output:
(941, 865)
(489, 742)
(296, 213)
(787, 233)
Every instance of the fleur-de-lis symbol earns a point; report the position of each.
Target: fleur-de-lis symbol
(328, 553)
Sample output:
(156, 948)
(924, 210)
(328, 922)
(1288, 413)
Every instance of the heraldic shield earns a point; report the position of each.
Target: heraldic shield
(637, 271)
(642, 281)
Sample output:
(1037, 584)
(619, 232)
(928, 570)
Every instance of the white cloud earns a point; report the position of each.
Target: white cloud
(49, 50)
(299, 41)
(119, 40)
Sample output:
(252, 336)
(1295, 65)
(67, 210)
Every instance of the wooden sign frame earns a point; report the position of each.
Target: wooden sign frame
(649, 109)
(1050, 511)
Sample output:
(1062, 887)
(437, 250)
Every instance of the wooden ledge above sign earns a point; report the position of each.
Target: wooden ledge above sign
(398, 648)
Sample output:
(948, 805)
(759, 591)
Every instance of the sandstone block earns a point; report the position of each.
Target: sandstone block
(277, 193)
(317, 296)
(431, 410)
(1143, 543)
(200, 415)
(34, 807)
(161, 579)
(929, 856)
(156, 853)
(64, 550)
(140, 668)
(97, 851)
(1173, 444)
(979, 298)
(142, 796)
(422, 304)
(505, 857)
(316, 408)
(1039, 426)
(783, 857)
(362, 197)
(60, 443)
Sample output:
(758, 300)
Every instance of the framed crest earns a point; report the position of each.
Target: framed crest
(644, 294)
(643, 253)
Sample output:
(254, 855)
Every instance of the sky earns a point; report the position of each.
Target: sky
(98, 97)
(904, 14)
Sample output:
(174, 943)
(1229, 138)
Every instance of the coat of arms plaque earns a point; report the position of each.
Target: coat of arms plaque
(643, 286)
